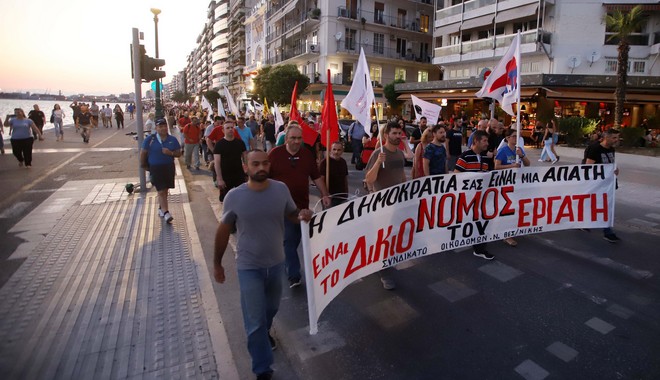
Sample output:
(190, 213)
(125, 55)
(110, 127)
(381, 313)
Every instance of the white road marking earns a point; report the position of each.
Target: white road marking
(91, 167)
(599, 325)
(562, 351)
(531, 371)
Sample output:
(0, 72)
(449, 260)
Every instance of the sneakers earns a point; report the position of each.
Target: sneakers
(160, 212)
(388, 283)
(168, 218)
(265, 376)
(273, 342)
(294, 283)
(554, 161)
(483, 255)
(612, 238)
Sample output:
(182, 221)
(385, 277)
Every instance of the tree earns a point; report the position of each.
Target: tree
(623, 25)
(275, 83)
(180, 97)
(391, 95)
(212, 96)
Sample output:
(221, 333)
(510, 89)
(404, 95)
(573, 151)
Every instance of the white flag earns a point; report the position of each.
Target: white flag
(503, 83)
(221, 108)
(230, 102)
(429, 110)
(278, 117)
(258, 107)
(361, 95)
(205, 104)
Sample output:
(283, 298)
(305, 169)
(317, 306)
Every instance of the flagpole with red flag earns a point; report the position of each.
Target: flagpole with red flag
(329, 126)
(309, 135)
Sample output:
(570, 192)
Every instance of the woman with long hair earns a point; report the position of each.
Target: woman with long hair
(58, 117)
(119, 116)
(547, 152)
(418, 160)
(21, 130)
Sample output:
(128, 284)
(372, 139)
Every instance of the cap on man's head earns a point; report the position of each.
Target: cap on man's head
(161, 121)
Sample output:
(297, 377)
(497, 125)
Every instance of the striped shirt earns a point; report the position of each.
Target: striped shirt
(471, 162)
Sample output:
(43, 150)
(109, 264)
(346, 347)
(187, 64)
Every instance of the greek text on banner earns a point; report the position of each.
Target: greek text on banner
(439, 213)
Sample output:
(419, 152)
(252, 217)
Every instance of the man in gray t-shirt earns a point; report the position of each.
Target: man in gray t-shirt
(385, 169)
(257, 210)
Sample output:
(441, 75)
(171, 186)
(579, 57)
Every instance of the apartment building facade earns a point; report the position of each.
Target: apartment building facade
(567, 55)
(319, 35)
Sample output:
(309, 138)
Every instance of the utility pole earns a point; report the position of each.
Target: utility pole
(137, 76)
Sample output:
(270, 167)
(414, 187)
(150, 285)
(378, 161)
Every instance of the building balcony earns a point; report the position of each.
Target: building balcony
(291, 52)
(353, 48)
(396, 22)
(489, 47)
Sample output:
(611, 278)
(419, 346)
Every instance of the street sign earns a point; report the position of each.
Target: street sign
(153, 86)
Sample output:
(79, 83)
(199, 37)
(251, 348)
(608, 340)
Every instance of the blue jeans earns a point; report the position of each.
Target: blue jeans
(261, 291)
(292, 237)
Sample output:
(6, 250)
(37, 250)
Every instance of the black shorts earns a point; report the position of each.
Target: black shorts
(162, 176)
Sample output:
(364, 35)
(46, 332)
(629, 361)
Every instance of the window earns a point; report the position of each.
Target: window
(422, 76)
(424, 52)
(347, 72)
(456, 2)
(454, 39)
(401, 47)
(379, 13)
(638, 67)
(379, 43)
(524, 26)
(376, 73)
(611, 66)
(349, 42)
(499, 30)
(637, 37)
(399, 73)
(424, 23)
(401, 18)
(483, 34)
(315, 37)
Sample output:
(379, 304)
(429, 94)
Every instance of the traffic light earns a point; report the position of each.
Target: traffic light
(149, 66)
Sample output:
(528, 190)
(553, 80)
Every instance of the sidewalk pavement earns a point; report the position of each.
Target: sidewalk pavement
(108, 290)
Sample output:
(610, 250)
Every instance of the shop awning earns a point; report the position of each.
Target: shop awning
(478, 22)
(516, 13)
(448, 29)
(590, 96)
(458, 94)
(628, 7)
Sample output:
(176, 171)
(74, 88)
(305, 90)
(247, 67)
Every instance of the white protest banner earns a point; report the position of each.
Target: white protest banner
(439, 213)
(429, 110)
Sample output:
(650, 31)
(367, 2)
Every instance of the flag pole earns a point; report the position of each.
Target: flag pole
(519, 84)
(378, 126)
(327, 158)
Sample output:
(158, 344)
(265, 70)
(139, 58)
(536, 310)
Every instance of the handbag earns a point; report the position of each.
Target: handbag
(52, 117)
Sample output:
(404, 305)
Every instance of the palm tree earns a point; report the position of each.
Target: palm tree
(623, 24)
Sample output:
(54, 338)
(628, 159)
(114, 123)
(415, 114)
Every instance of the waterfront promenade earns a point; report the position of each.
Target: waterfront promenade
(104, 288)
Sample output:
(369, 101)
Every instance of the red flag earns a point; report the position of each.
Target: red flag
(329, 117)
(309, 135)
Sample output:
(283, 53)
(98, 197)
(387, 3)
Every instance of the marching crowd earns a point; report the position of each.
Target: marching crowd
(253, 162)
(263, 173)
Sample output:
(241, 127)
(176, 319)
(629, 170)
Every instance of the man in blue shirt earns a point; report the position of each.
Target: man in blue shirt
(245, 133)
(355, 134)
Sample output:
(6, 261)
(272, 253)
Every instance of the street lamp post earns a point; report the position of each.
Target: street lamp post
(159, 105)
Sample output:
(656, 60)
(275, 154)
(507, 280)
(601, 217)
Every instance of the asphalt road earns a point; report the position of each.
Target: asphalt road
(563, 304)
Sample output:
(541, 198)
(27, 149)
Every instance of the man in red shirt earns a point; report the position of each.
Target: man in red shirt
(295, 166)
(184, 120)
(192, 133)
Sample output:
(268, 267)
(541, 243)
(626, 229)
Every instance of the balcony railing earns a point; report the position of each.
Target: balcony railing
(458, 8)
(352, 47)
(487, 43)
(347, 13)
(401, 22)
(292, 52)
